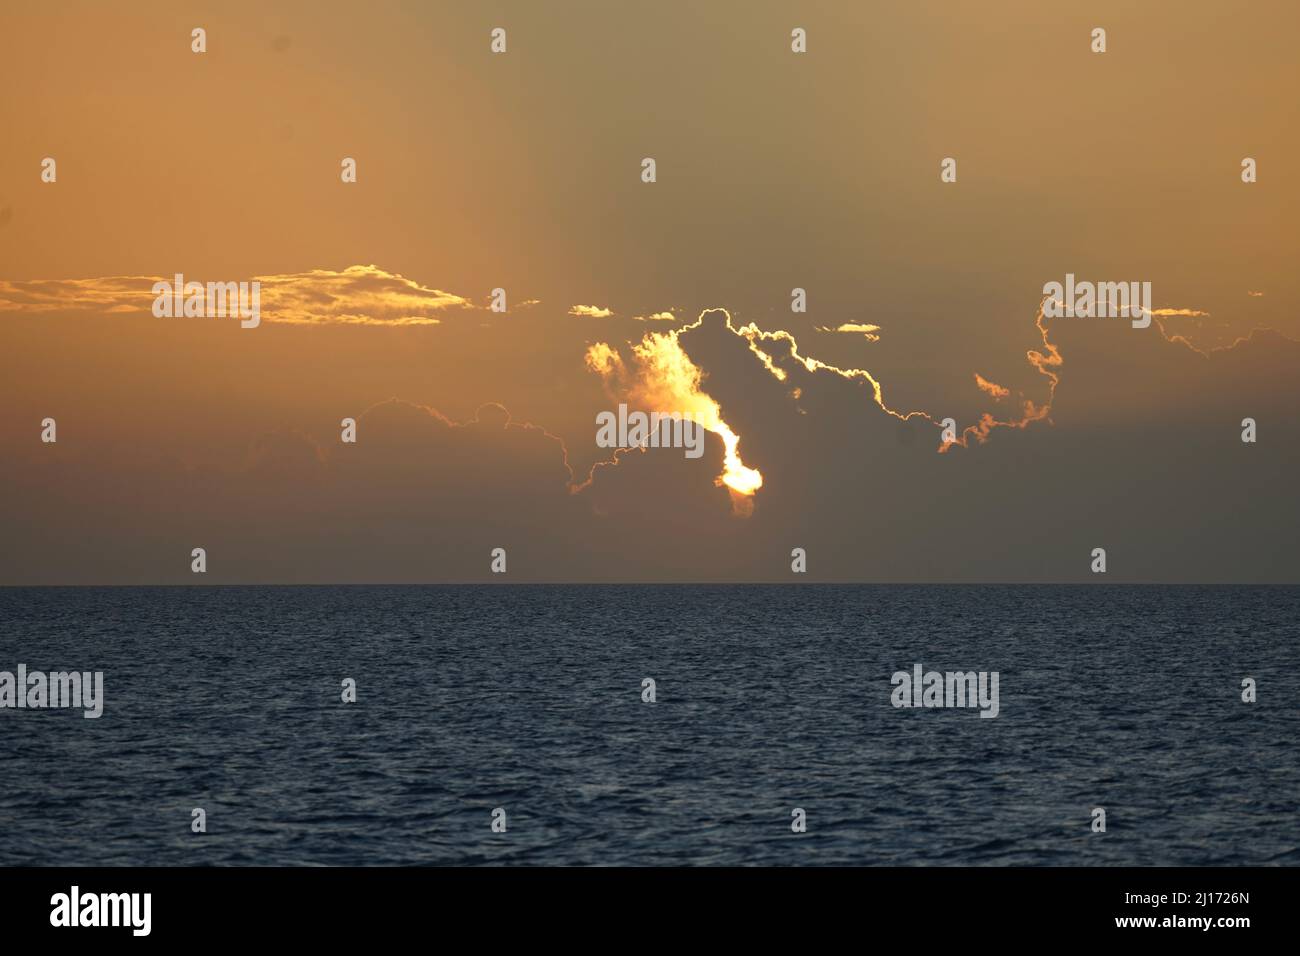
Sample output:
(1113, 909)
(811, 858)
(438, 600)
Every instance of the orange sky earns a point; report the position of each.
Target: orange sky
(522, 171)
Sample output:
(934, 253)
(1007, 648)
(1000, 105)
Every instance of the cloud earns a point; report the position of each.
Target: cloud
(779, 353)
(656, 317)
(591, 311)
(106, 294)
(1143, 457)
(359, 295)
(997, 391)
(870, 331)
(1183, 312)
(662, 378)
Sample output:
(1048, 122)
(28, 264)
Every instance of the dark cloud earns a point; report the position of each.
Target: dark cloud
(1141, 455)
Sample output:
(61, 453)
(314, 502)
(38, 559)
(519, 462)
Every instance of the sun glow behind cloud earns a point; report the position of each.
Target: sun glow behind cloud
(664, 379)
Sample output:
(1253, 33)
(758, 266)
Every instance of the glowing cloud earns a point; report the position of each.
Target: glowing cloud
(997, 391)
(1044, 363)
(870, 331)
(1188, 312)
(359, 295)
(664, 379)
(591, 312)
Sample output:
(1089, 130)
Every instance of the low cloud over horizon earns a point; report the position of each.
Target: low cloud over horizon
(799, 453)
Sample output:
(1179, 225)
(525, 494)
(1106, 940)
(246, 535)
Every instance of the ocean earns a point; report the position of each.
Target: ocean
(768, 700)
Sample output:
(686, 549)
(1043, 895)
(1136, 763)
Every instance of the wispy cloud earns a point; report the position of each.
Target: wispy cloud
(591, 311)
(1184, 312)
(997, 391)
(855, 328)
(106, 294)
(359, 295)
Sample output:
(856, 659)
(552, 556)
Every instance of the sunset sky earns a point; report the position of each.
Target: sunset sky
(522, 171)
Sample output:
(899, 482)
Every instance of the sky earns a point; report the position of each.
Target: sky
(523, 171)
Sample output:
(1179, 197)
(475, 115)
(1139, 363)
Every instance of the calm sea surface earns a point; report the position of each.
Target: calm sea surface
(769, 698)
